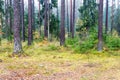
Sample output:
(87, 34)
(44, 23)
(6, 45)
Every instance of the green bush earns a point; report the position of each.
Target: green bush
(83, 45)
(112, 42)
(52, 47)
(71, 41)
(86, 45)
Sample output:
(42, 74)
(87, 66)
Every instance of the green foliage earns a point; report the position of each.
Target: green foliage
(117, 21)
(54, 29)
(85, 43)
(1, 6)
(112, 42)
(71, 41)
(52, 47)
(89, 13)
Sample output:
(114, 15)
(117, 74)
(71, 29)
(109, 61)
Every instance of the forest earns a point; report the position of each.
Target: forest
(59, 39)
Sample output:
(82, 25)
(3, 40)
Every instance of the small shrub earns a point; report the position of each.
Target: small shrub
(71, 41)
(112, 43)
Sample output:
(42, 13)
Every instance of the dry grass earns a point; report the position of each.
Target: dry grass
(48, 59)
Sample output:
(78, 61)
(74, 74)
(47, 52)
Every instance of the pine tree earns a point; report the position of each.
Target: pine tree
(30, 22)
(100, 25)
(106, 23)
(22, 20)
(62, 25)
(45, 19)
(73, 24)
(16, 28)
(71, 17)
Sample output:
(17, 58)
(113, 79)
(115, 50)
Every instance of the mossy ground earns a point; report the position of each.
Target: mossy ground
(49, 61)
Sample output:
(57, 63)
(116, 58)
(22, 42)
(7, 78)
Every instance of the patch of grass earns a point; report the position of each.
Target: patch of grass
(55, 59)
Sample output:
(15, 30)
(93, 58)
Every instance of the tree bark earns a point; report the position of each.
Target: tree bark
(45, 19)
(71, 18)
(73, 24)
(100, 25)
(39, 20)
(30, 22)
(22, 20)
(33, 15)
(112, 15)
(17, 40)
(68, 26)
(106, 23)
(62, 25)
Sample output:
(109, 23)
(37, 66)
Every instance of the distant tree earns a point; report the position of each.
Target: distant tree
(33, 15)
(22, 20)
(62, 24)
(73, 27)
(45, 19)
(68, 26)
(89, 14)
(16, 27)
(1, 18)
(117, 18)
(71, 17)
(112, 15)
(106, 23)
(54, 29)
(39, 17)
(100, 25)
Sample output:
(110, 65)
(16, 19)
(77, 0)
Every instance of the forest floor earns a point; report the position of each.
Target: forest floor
(48, 61)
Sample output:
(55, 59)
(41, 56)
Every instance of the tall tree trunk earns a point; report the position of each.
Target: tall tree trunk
(11, 17)
(100, 25)
(33, 15)
(106, 23)
(58, 22)
(62, 25)
(45, 19)
(73, 24)
(0, 28)
(48, 20)
(39, 20)
(22, 20)
(68, 26)
(71, 18)
(6, 19)
(30, 22)
(112, 15)
(17, 40)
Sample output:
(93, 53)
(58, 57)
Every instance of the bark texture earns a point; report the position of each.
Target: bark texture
(17, 40)
(100, 25)
(29, 22)
(62, 25)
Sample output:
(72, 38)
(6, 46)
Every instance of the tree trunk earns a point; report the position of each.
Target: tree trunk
(62, 26)
(112, 15)
(39, 20)
(30, 22)
(45, 19)
(73, 24)
(48, 20)
(33, 15)
(100, 25)
(58, 22)
(71, 18)
(106, 23)
(11, 17)
(17, 40)
(0, 28)
(22, 20)
(68, 27)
